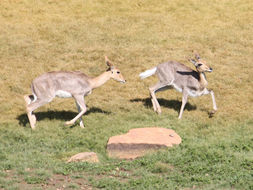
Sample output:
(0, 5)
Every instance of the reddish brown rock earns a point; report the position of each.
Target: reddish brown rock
(140, 141)
(84, 157)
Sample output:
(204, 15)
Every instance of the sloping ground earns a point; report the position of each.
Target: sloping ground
(41, 36)
(37, 37)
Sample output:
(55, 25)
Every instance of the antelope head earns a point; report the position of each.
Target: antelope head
(115, 73)
(200, 64)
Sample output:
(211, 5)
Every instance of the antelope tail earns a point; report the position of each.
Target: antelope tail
(147, 73)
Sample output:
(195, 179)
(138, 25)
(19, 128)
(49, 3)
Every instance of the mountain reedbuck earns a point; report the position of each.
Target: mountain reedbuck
(65, 84)
(183, 79)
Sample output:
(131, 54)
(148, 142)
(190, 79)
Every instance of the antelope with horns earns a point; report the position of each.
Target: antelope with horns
(67, 84)
(183, 79)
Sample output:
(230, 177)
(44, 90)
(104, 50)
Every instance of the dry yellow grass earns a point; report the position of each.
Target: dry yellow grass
(41, 36)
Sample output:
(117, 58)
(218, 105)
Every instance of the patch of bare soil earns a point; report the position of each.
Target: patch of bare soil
(56, 181)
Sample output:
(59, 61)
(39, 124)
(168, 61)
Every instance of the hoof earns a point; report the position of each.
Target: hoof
(68, 123)
(158, 112)
(211, 113)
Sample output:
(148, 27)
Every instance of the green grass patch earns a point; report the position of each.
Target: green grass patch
(200, 161)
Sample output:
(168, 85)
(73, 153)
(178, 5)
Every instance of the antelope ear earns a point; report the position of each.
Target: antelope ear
(193, 61)
(109, 64)
(197, 56)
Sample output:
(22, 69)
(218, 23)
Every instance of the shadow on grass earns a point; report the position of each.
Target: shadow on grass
(174, 104)
(59, 115)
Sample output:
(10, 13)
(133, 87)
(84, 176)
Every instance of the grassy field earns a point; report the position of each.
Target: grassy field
(40, 36)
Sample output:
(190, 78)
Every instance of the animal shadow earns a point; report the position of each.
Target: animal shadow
(174, 104)
(58, 115)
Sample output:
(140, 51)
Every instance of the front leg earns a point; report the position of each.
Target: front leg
(81, 120)
(80, 102)
(184, 101)
(214, 103)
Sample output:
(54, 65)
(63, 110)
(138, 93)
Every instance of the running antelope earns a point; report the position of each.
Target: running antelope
(65, 84)
(183, 79)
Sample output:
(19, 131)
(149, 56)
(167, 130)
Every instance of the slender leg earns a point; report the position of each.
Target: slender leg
(213, 99)
(80, 101)
(214, 102)
(154, 104)
(32, 119)
(31, 107)
(27, 99)
(154, 100)
(184, 101)
(81, 120)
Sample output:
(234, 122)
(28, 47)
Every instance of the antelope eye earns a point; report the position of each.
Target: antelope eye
(118, 72)
(199, 65)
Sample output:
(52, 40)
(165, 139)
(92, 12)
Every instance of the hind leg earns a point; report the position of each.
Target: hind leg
(31, 107)
(27, 99)
(31, 117)
(156, 88)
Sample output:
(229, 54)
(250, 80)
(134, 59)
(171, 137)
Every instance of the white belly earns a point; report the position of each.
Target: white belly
(177, 88)
(195, 93)
(63, 94)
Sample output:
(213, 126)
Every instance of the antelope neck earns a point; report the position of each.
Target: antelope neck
(202, 80)
(100, 80)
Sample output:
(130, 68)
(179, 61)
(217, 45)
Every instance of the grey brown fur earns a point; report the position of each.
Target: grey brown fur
(66, 84)
(183, 79)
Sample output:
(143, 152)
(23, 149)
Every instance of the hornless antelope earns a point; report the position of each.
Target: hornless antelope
(65, 84)
(183, 79)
